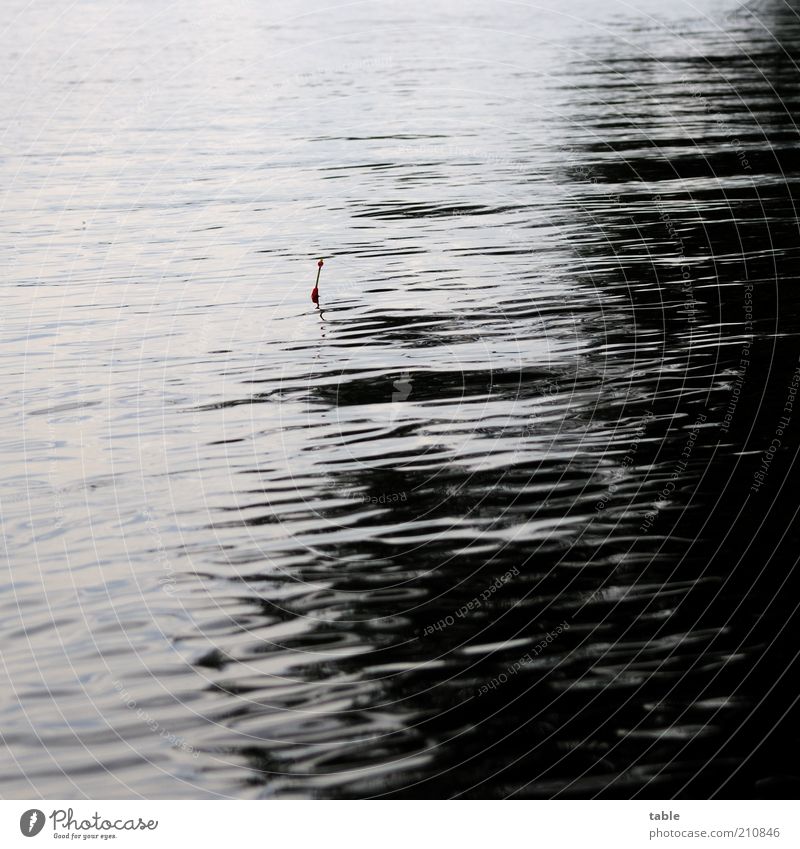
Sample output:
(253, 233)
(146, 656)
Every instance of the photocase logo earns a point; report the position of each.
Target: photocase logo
(31, 822)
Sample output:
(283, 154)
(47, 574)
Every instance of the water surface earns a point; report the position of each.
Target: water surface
(512, 515)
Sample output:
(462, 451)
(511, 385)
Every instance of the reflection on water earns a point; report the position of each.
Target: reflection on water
(512, 515)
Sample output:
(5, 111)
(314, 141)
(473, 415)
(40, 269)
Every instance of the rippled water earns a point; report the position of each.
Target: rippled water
(498, 520)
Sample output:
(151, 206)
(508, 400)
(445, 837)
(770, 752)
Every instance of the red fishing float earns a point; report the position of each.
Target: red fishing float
(315, 290)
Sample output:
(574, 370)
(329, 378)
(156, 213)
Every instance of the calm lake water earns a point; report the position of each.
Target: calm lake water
(514, 514)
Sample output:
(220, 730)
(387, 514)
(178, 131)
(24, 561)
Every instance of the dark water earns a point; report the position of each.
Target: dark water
(515, 515)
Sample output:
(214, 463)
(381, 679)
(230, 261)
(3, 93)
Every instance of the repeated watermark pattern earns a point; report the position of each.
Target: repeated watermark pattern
(722, 125)
(744, 360)
(474, 604)
(152, 723)
(686, 272)
(383, 498)
(167, 580)
(780, 429)
(680, 467)
(625, 463)
(526, 659)
(401, 390)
